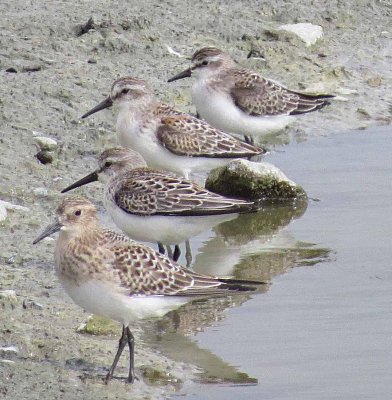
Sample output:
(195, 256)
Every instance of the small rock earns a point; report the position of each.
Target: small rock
(92, 61)
(307, 32)
(84, 28)
(252, 181)
(44, 157)
(11, 70)
(40, 192)
(97, 325)
(174, 52)
(32, 68)
(6, 351)
(32, 305)
(5, 205)
(45, 143)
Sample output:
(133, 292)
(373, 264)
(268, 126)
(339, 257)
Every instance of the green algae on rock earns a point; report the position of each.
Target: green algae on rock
(252, 181)
(97, 325)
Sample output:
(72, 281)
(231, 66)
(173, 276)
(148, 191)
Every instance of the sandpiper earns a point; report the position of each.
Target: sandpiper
(157, 206)
(111, 275)
(240, 101)
(166, 138)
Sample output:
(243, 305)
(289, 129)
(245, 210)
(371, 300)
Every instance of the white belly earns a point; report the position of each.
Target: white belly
(168, 230)
(103, 299)
(220, 111)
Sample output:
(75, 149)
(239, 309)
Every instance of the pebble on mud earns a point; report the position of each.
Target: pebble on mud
(5, 205)
(40, 192)
(44, 157)
(6, 351)
(253, 180)
(307, 32)
(45, 143)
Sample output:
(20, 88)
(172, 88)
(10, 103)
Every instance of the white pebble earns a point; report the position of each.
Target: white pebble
(309, 33)
(45, 143)
(5, 205)
(40, 192)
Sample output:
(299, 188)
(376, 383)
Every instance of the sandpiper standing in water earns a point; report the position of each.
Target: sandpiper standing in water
(113, 276)
(168, 139)
(240, 101)
(157, 206)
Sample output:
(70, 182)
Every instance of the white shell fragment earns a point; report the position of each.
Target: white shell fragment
(306, 31)
(45, 143)
(5, 205)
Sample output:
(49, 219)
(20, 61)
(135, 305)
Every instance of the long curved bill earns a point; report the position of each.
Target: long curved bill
(49, 230)
(93, 177)
(184, 74)
(108, 102)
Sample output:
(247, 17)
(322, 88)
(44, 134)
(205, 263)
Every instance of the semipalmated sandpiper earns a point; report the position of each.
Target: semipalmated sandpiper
(241, 101)
(111, 275)
(157, 206)
(166, 138)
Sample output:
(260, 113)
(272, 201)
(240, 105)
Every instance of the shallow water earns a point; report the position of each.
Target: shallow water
(322, 330)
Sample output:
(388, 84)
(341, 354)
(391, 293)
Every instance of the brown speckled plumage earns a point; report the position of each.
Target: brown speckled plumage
(188, 136)
(251, 92)
(144, 191)
(88, 252)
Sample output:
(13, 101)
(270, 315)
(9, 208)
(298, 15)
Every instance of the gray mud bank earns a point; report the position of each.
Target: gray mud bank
(54, 67)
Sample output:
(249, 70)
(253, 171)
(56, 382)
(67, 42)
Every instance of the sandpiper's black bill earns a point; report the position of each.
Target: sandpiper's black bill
(93, 177)
(49, 230)
(108, 102)
(184, 74)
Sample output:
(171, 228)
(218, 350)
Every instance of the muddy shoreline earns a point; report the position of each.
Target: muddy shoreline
(52, 71)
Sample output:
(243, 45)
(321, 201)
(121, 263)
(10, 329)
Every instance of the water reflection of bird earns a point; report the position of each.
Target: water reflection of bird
(244, 238)
(110, 275)
(173, 334)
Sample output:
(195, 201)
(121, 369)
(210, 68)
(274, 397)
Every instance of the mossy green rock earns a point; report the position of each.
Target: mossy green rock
(97, 325)
(157, 377)
(253, 180)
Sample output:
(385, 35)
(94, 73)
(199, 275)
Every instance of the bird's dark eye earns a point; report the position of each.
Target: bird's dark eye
(124, 91)
(108, 164)
(78, 212)
(204, 63)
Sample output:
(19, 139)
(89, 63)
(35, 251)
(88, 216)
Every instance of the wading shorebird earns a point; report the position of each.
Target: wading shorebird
(156, 206)
(111, 275)
(240, 101)
(168, 139)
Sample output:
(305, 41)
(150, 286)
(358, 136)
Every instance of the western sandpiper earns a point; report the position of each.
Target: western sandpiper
(157, 206)
(111, 275)
(166, 138)
(241, 101)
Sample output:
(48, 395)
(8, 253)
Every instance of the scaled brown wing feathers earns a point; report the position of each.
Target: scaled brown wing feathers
(142, 271)
(258, 96)
(185, 135)
(144, 191)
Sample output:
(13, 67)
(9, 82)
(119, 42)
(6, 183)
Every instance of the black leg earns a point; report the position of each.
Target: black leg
(177, 252)
(121, 344)
(249, 139)
(161, 249)
(131, 345)
(169, 252)
(188, 254)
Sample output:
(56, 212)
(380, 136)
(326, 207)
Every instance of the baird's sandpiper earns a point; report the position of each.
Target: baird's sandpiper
(111, 275)
(240, 101)
(157, 206)
(166, 138)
